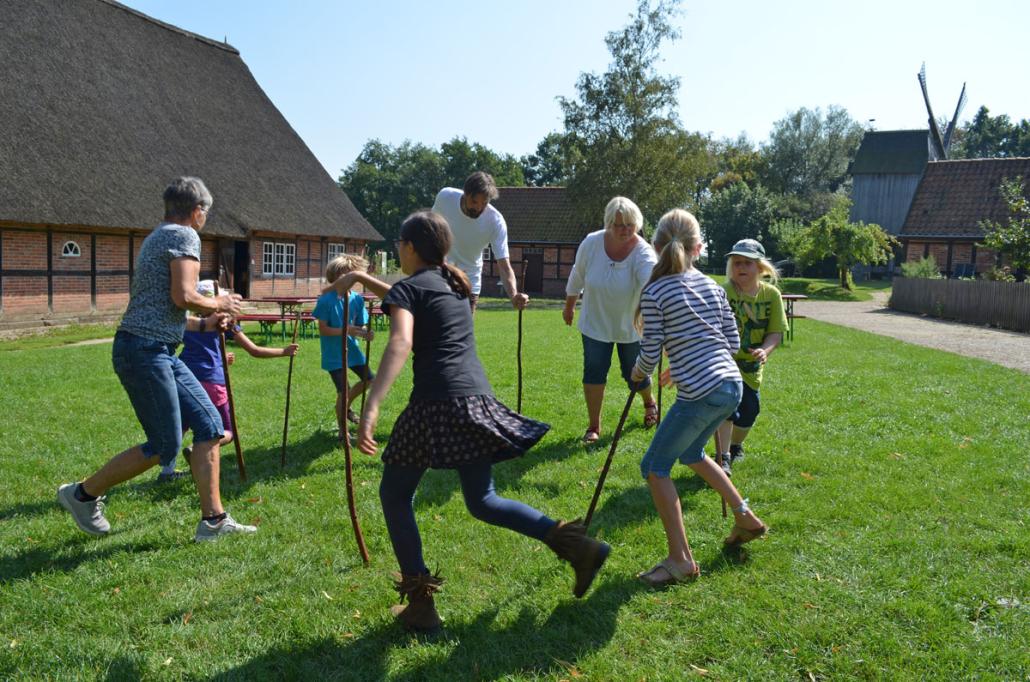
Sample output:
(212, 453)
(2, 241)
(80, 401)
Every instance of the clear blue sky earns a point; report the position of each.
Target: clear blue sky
(344, 71)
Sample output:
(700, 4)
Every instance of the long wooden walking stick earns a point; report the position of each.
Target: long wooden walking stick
(661, 356)
(345, 437)
(608, 462)
(289, 382)
(241, 467)
(518, 352)
(368, 355)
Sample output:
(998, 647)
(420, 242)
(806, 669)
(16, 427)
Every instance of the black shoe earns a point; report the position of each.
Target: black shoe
(186, 452)
(737, 452)
(172, 476)
(726, 462)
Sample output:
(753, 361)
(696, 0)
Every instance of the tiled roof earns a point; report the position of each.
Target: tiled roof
(540, 214)
(954, 196)
(903, 152)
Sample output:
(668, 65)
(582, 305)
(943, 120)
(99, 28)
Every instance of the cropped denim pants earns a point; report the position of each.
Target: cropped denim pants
(163, 391)
(687, 427)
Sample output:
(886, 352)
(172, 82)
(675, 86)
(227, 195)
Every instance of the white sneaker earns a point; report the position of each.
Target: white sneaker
(89, 516)
(211, 531)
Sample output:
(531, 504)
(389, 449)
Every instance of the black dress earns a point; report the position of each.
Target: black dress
(452, 418)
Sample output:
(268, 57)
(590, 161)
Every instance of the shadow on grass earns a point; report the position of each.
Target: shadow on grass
(475, 649)
(66, 557)
(629, 507)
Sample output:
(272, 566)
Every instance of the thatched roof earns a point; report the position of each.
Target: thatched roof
(540, 214)
(101, 106)
(954, 196)
(892, 152)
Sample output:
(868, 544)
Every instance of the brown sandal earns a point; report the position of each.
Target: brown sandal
(650, 415)
(739, 535)
(591, 437)
(674, 574)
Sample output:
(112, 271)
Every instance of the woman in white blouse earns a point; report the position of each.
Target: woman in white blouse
(612, 266)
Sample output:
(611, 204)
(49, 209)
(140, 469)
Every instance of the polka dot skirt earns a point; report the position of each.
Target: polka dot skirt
(445, 434)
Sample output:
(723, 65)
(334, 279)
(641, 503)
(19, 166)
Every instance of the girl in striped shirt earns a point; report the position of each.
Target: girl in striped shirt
(687, 314)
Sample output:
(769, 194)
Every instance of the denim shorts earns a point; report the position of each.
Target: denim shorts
(687, 427)
(163, 391)
(597, 359)
(747, 411)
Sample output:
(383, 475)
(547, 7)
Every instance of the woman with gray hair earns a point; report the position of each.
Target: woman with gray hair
(161, 388)
(612, 265)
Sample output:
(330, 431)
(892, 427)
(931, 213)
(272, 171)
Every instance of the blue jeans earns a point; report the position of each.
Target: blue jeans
(162, 391)
(597, 359)
(687, 427)
(397, 494)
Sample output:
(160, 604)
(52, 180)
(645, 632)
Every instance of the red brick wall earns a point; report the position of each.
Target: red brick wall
(310, 259)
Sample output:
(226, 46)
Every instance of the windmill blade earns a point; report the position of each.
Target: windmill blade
(954, 119)
(935, 131)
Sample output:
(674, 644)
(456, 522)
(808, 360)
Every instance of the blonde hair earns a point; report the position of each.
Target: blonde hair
(341, 265)
(629, 212)
(675, 240)
(766, 269)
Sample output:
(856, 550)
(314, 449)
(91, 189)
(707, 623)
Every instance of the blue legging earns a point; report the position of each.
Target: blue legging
(397, 494)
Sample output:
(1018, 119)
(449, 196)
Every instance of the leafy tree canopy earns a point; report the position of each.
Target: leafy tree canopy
(1013, 237)
(848, 243)
(809, 152)
(989, 136)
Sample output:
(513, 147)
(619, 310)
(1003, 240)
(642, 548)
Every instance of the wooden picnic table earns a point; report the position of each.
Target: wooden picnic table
(788, 302)
(288, 308)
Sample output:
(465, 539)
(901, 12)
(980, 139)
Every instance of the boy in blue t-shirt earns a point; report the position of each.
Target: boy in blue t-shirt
(329, 313)
(202, 353)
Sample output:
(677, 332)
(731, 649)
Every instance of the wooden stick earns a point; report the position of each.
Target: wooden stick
(240, 465)
(608, 462)
(368, 355)
(518, 352)
(346, 437)
(661, 356)
(289, 381)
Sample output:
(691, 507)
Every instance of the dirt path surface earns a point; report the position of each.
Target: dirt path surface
(1009, 349)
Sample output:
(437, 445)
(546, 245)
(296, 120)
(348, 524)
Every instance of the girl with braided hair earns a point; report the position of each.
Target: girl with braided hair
(452, 420)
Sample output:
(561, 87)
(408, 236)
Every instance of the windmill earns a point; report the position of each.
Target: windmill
(940, 143)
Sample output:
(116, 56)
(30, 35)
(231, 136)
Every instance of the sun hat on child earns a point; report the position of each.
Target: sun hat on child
(748, 248)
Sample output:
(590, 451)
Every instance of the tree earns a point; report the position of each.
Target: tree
(1013, 237)
(989, 136)
(848, 243)
(551, 165)
(624, 126)
(386, 183)
(734, 213)
(809, 153)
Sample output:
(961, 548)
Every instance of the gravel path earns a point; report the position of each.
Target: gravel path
(1010, 349)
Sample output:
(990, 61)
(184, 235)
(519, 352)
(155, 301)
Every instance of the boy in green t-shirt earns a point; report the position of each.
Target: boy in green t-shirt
(761, 322)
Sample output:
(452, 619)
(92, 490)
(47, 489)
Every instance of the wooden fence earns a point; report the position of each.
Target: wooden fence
(999, 304)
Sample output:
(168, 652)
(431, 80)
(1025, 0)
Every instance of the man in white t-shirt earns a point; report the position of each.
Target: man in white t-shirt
(475, 224)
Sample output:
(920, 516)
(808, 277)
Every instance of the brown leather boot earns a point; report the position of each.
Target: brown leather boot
(420, 613)
(569, 540)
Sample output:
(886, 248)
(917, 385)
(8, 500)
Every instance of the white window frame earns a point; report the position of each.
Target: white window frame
(70, 250)
(278, 259)
(335, 249)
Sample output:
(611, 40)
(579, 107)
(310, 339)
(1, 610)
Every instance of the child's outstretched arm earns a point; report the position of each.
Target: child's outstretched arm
(257, 351)
(402, 325)
(347, 282)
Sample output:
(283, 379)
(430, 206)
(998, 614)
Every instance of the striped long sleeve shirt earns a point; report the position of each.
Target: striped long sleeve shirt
(689, 316)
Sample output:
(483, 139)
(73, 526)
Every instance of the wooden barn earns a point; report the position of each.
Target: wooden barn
(101, 107)
(885, 173)
(952, 199)
(542, 231)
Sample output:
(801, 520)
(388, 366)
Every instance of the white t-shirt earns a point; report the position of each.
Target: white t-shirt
(471, 235)
(611, 289)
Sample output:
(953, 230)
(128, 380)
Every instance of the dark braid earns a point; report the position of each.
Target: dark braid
(430, 236)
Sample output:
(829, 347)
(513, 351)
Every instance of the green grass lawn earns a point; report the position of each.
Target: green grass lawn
(894, 478)
(830, 289)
